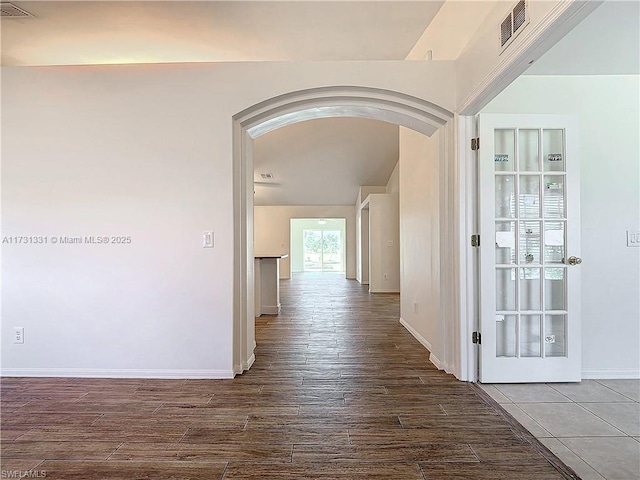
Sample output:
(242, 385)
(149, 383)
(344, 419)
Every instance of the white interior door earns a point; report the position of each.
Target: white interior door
(529, 249)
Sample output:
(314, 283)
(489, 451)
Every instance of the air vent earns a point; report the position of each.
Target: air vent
(519, 15)
(514, 23)
(266, 175)
(505, 30)
(9, 10)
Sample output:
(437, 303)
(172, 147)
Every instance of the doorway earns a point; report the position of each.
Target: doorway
(318, 245)
(339, 101)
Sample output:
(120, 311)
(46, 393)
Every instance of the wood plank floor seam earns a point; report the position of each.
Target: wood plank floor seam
(115, 451)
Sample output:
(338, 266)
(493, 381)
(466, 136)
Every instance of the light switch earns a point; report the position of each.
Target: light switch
(207, 240)
(633, 238)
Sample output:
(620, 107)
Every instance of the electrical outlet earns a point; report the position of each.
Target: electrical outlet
(386, 277)
(18, 334)
(415, 307)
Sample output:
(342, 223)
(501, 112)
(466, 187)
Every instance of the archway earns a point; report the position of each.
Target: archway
(323, 102)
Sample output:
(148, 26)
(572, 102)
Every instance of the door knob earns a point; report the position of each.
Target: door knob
(574, 261)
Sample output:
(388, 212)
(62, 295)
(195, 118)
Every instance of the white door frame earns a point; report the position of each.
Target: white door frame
(560, 21)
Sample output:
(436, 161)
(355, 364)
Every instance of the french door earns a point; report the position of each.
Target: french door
(529, 249)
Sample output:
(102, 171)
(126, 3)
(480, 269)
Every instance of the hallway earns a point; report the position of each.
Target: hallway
(339, 390)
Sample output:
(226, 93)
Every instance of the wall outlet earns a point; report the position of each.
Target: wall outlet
(415, 307)
(389, 243)
(385, 276)
(18, 334)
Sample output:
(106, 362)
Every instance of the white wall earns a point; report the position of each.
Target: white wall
(299, 225)
(608, 112)
(420, 238)
(365, 191)
(142, 151)
(272, 230)
(384, 240)
(393, 184)
(362, 233)
(363, 243)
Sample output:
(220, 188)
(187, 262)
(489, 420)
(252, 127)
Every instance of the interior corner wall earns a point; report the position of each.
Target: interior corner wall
(608, 111)
(393, 184)
(272, 230)
(420, 238)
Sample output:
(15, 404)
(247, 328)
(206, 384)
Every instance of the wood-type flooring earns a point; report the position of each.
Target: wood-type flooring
(339, 390)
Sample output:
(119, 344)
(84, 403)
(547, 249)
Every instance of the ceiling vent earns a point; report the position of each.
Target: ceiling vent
(9, 10)
(514, 23)
(266, 176)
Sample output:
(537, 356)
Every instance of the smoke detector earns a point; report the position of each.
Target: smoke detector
(9, 10)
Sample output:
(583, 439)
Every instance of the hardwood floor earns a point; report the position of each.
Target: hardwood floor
(339, 390)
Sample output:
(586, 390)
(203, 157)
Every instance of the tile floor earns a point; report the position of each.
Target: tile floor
(593, 426)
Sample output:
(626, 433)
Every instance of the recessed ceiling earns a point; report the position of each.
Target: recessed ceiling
(113, 32)
(323, 162)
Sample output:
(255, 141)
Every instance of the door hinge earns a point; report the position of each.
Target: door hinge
(475, 143)
(476, 338)
(475, 240)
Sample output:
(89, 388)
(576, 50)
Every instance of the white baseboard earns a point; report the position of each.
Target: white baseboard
(436, 361)
(381, 290)
(425, 343)
(240, 368)
(116, 373)
(448, 368)
(271, 309)
(415, 334)
(610, 373)
(247, 365)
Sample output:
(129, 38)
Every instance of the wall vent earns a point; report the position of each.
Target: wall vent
(9, 10)
(266, 175)
(506, 30)
(514, 23)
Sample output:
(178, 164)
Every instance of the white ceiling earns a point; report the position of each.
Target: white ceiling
(323, 162)
(107, 32)
(607, 42)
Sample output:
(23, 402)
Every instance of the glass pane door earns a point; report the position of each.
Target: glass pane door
(322, 251)
(530, 239)
(529, 225)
